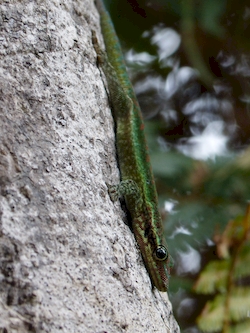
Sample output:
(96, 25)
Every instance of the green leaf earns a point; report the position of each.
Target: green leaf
(211, 318)
(242, 270)
(210, 16)
(213, 315)
(241, 327)
(213, 277)
(239, 303)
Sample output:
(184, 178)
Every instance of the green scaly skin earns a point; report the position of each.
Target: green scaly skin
(137, 184)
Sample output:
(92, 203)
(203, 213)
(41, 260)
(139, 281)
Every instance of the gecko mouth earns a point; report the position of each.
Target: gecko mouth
(162, 281)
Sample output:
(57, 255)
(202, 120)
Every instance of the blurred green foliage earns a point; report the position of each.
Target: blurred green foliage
(226, 279)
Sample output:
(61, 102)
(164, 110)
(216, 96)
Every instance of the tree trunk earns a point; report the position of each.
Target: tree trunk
(68, 262)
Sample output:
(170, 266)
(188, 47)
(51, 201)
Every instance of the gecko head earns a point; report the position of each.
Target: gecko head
(155, 254)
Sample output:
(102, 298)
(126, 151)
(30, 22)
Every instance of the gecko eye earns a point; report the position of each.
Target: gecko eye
(161, 253)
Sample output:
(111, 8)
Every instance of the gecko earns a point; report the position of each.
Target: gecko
(137, 185)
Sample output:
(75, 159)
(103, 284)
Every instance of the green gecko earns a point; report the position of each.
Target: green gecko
(137, 184)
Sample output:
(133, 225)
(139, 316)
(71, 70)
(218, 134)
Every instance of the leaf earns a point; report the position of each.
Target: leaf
(213, 315)
(241, 269)
(213, 277)
(211, 318)
(210, 16)
(241, 327)
(233, 232)
(239, 303)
